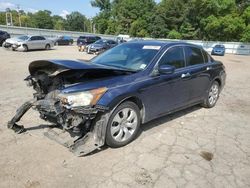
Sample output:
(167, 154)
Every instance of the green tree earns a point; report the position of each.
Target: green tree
(188, 31)
(246, 15)
(174, 35)
(103, 5)
(58, 22)
(101, 22)
(169, 16)
(26, 20)
(227, 28)
(76, 22)
(43, 19)
(2, 18)
(133, 17)
(246, 35)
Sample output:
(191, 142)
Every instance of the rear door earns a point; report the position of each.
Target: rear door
(41, 42)
(199, 73)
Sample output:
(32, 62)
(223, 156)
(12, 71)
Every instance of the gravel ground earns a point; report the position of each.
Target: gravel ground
(196, 147)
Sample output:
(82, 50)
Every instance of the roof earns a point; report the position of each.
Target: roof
(162, 43)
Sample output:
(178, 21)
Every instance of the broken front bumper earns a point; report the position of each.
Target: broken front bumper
(80, 129)
(17, 47)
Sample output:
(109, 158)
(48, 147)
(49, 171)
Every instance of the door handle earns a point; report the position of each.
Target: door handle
(185, 75)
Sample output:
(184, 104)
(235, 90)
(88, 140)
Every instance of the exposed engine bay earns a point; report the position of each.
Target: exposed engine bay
(82, 123)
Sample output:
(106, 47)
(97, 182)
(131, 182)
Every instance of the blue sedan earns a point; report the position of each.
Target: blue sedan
(218, 49)
(106, 100)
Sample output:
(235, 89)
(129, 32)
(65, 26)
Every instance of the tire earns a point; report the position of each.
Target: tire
(25, 48)
(47, 47)
(121, 131)
(212, 95)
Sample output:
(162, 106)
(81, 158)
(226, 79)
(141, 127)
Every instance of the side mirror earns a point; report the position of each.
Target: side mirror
(166, 69)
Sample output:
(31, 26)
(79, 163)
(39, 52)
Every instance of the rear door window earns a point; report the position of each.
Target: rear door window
(34, 38)
(193, 56)
(174, 57)
(40, 38)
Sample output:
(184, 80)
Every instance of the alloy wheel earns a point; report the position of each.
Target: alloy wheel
(213, 94)
(124, 125)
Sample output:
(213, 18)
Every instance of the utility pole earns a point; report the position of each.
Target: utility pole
(9, 21)
(19, 16)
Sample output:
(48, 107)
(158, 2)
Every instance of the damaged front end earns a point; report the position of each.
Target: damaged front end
(79, 123)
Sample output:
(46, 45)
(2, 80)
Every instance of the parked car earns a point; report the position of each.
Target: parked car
(3, 36)
(84, 41)
(219, 49)
(100, 46)
(26, 43)
(64, 40)
(106, 100)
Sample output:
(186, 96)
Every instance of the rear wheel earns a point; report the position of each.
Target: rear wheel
(123, 125)
(212, 96)
(47, 47)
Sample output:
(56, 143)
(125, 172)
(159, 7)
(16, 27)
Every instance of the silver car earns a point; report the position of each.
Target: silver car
(26, 43)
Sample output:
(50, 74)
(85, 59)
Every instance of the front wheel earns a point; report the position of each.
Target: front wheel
(25, 48)
(212, 96)
(123, 125)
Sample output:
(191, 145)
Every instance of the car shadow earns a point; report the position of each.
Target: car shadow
(145, 127)
(154, 123)
(44, 50)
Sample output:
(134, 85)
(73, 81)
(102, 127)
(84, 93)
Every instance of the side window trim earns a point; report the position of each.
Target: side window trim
(203, 55)
(155, 69)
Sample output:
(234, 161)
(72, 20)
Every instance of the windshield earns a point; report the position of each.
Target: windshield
(219, 46)
(100, 41)
(23, 38)
(129, 56)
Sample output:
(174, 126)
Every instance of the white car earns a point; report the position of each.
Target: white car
(26, 43)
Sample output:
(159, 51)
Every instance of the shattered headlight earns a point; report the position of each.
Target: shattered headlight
(84, 98)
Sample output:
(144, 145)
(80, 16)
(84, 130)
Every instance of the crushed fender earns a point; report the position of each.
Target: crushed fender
(78, 128)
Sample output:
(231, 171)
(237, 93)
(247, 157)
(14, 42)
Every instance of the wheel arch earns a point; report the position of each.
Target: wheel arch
(218, 80)
(133, 99)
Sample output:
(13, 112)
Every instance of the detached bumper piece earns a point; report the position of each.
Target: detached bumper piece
(75, 129)
(77, 145)
(19, 114)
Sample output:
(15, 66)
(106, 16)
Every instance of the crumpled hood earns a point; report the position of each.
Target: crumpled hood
(13, 40)
(51, 66)
(109, 82)
(108, 77)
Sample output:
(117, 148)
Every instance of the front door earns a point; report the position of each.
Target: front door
(165, 93)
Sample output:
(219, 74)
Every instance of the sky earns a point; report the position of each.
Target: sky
(57, 7)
